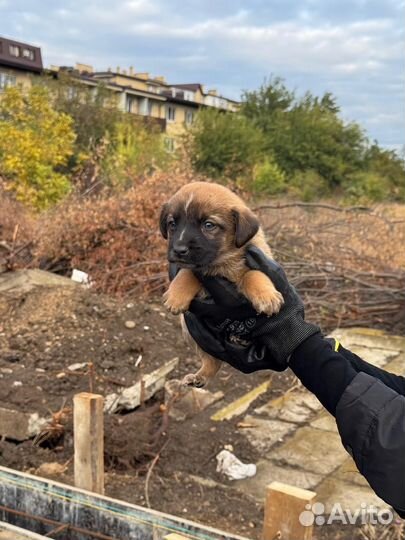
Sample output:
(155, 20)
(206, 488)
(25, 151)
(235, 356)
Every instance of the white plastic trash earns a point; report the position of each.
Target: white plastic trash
(80, 277)
(232, 467)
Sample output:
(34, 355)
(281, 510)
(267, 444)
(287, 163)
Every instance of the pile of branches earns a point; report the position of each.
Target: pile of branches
(347, 264)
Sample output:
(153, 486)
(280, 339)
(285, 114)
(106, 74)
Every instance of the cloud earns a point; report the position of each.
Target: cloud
(353, 48)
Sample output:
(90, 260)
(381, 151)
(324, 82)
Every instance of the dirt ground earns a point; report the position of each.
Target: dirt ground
(44, 331)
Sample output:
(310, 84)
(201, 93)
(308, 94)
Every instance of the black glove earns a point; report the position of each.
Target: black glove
(226, 326)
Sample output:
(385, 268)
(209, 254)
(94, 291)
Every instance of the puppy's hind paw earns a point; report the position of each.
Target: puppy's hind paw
(193, 379)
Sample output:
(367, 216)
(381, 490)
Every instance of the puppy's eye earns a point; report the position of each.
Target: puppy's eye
(171, 224)
(209, 225)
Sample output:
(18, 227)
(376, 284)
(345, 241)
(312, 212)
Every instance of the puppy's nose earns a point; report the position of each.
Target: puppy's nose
(180, 250)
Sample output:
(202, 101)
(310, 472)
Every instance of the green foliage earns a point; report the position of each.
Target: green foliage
(308, 185)
(35, 143)
(134, 149)
(94, 109)
(305, 134)
(268, 178)
(367, 187)
(224, 145)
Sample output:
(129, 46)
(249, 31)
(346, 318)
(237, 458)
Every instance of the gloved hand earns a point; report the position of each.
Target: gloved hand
(226, 326)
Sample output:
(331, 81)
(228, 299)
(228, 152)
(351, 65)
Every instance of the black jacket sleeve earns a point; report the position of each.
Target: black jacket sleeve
(371, 421)
(369, 411)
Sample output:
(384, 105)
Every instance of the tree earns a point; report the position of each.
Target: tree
(35, 143)
(224, 145)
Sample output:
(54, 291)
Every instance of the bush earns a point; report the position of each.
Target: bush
(35, 143)
(134, 149)
(367, 187)
(308, 185)
(268, 178)
(224, 145)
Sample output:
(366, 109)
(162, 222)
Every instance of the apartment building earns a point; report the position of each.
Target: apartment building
(171, 107)
(19, 62)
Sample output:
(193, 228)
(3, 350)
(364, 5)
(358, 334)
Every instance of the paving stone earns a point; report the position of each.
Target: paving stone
(265, 433)
(313, 450)
(268, 472)
(295, 407)
(20, 425)
(324, 421)
(332, 491)
(368, 337)
(376, 356)
(186, 402)
(397, 366)
(349, 474)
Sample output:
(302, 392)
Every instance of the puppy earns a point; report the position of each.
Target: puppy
(207, 226)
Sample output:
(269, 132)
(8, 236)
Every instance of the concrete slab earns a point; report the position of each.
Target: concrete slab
(349, 474)
(368, 337)
(324, 421)
(25, 280)
(313, 450)
(19, 425)
(240, 405)
(378, 357)
(397, 366)
(265, 433)
(297, 407)
(332, 491)
(268, 472)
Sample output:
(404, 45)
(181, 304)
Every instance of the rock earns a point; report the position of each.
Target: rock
(185, 402)
(50, 469)
(130, 324)
(77, 365)
(20, 426)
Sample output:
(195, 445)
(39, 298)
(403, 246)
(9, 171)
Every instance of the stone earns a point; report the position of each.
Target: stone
(26, 280)
(19, 425)
(130, 397)
(368, 337)
(349, 474)
(351, 496)
(130, 324)
(324, 421)
(295, 407)
(376, 356)
(268, 472)
(185, 402)
(265, 433)
(397, 366)
(240, 405)
(313, 450)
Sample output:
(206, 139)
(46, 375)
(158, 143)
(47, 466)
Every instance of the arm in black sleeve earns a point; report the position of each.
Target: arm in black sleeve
(370, 414)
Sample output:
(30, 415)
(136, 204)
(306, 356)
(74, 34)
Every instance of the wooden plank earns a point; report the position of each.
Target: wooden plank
(283, 508)
(241, 404)
(88, 426)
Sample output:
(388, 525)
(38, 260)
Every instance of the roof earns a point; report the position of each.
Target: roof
(28, 57)
(197, 86)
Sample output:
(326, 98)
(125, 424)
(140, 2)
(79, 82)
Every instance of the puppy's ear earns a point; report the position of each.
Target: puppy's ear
(163, 220)
(246, 226)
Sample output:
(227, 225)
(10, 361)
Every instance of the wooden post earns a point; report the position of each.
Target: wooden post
(88, 427)
(283, 507)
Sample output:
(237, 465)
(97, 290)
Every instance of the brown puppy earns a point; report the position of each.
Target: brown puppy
(208, 226)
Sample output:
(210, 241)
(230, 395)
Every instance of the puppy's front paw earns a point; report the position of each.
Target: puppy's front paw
(194, 379)
(176, 304)
(269, 303)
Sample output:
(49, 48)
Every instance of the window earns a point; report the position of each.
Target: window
(7, 80)
(28, 54)
(189, 117)
(169, 144)
(171, 114)
(14, 50)
(189, 96)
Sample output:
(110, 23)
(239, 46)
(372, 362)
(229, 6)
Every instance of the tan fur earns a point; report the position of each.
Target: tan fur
(220, 203)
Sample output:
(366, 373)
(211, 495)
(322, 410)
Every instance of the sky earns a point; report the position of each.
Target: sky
(354, 49)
